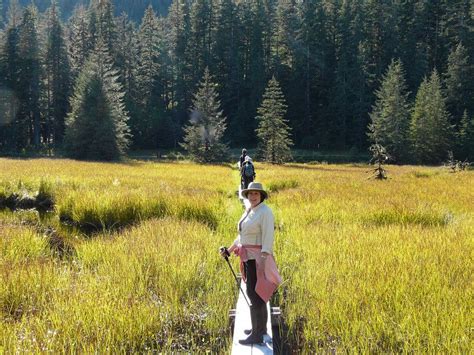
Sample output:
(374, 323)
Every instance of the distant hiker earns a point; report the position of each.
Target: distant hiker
(247, 172)
(242, 158)
(254, 246)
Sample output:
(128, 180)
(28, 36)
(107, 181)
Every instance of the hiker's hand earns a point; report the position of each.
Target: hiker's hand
(224, 252)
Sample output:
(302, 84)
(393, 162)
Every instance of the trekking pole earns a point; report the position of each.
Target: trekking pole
(226, 257)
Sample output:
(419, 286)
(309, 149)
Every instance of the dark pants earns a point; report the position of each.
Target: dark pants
(258, 309)
(246, 181)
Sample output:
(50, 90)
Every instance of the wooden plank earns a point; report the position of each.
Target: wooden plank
(242, 322)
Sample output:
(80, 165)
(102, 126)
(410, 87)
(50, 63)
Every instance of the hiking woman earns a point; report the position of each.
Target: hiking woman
(254, 246)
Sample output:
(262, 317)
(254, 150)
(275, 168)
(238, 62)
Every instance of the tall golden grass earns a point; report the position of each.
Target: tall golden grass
(368, 266)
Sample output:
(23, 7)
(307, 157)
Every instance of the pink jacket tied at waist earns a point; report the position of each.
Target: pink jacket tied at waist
(268, 281)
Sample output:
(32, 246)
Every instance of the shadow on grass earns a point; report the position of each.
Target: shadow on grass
(116, 216)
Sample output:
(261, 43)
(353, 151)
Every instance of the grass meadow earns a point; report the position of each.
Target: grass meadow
(128, 259)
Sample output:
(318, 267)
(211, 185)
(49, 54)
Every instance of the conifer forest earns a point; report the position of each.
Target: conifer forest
(126, 74)
(121, 124)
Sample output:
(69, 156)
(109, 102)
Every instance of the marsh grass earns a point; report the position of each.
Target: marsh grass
(397, 217)
(368, 266)
(275, 186)
(425, 174)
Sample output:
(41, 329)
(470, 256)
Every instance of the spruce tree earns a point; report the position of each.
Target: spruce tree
(202, 23)
(284, 35)
(1, 14)
(97, 124)
(203, 135)
(127, 53)
(146, 74)
(79, 43)
(273, 131)
(310, 41)
(467, 138)
(226, 61)
(254, 62)
(458, 83)
(126, 64)
(391, 113)
(430, 131)
(29, 79)
(57, 78)
(106, 26)
(11, 134)
(178, 22)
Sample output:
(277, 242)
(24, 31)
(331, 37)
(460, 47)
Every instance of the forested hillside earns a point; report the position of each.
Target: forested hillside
(133, 8)
(352, 72)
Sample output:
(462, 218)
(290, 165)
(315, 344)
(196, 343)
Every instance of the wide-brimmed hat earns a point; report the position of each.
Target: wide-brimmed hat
(255, 186)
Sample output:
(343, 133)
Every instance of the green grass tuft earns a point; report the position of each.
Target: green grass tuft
(276, 186)
(404, 218)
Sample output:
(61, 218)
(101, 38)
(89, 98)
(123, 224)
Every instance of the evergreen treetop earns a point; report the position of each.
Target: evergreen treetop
(204, 133)
(97, 124)
(273, 130)
(430, 130)
(390, 115)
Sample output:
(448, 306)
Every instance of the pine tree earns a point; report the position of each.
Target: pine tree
(1, 14)
(458, 83)
(348, 96)
(202, 31)
(92, 26)
(168, 128)
(29, 79)
(127, 53)
(285, 34)
(310, 40)
(97, 124)
(467, 138)
(146, 75)
(178, 21)
(430, 131)
(431, 21)
(79, 39)
(409, 47)
(12, 135)
(255, 52)
(372, 50)
(458, 25)
(106, 26)
(273, 131)
(286, 48)
(226, 61)
(203, 135)
(126, 63)
(391, 113)
(14, 13)
(147, 70)
(57, 76)
(379, 157)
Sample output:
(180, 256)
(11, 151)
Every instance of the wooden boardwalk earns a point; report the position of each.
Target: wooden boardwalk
(243, 200)
(242, 322)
